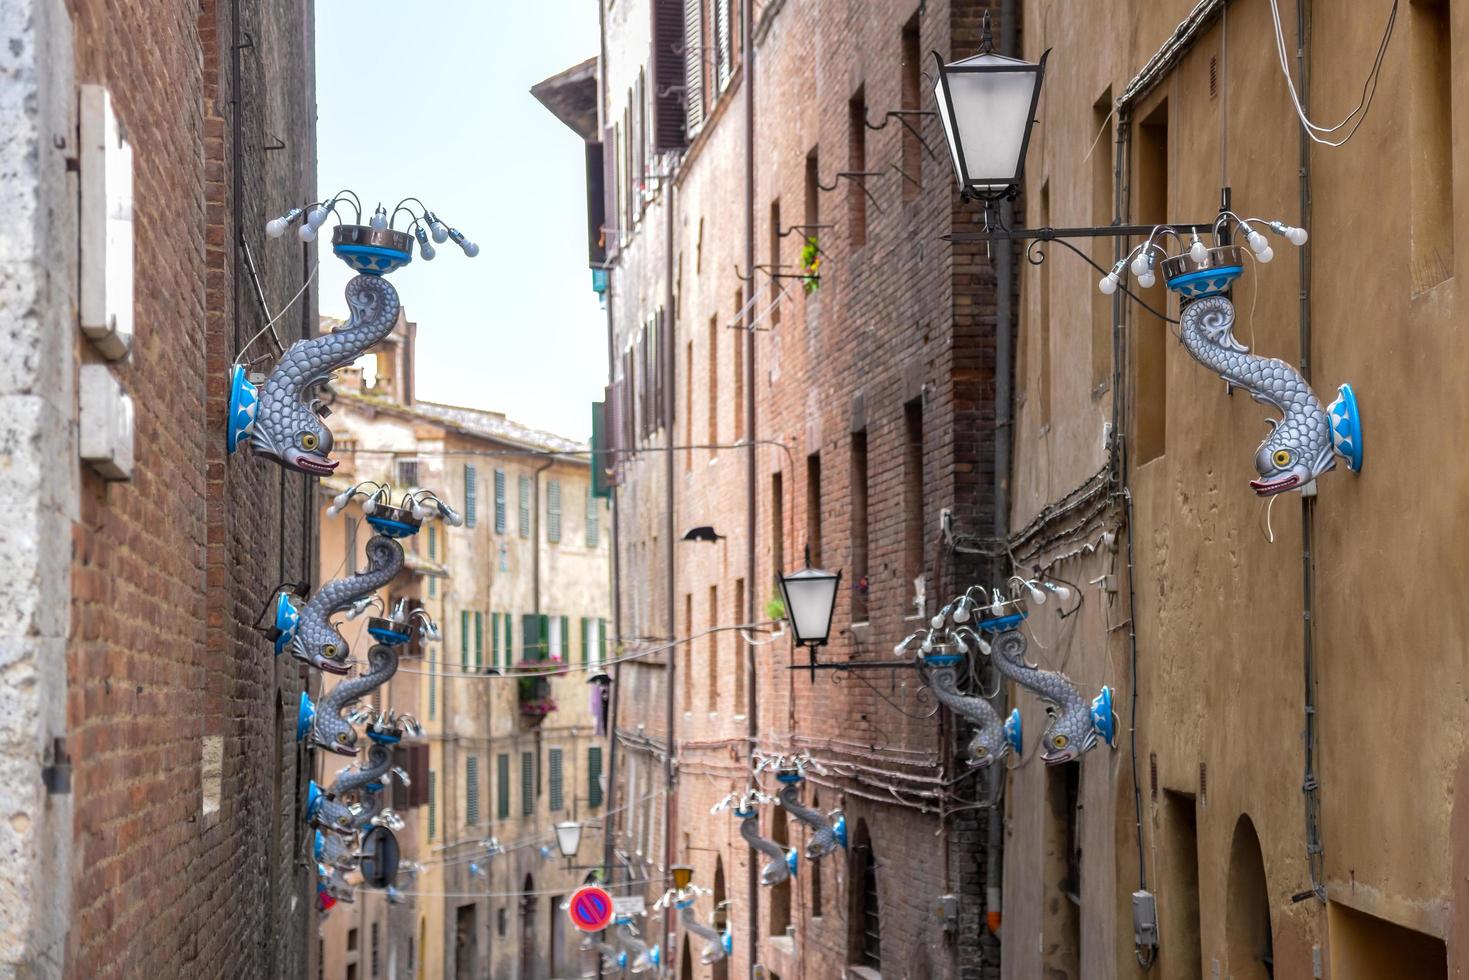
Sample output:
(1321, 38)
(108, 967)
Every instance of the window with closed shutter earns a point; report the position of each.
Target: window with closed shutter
(433, 803)
(557, 790)
(693, 46)
(433, 684)
(433, 543)
(532, 637)
(525, 506)
(464, 638)
(527, 783)
(471, 790)
(471, 494)
(586, 640)
(479, 640)
(499, 501)
(722, 42)
(594, 776)
(669, 75)
(508, 623)
(502, 785)
(494, 639)
(594, 522)
(553, 511)
(601, 641)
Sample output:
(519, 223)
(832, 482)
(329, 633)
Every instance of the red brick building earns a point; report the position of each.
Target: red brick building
(154, 809)
(874, 389)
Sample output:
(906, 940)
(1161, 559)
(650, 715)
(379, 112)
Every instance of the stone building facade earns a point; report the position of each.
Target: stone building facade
(522, 585)
(154, 795)
(873, 445)
(1295, 794)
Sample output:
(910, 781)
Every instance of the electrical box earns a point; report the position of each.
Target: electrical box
(1144, 919)
(105, 429)
(947, 910)
(106, 301)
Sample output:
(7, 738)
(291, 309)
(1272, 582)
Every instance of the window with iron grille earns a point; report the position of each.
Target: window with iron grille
(471, 790)
(433, 803)
(594, 776)
(374, 949)
(525, 506)
(527, 783)
(471, 494)
(868, 919)
(557, 794)
(594, 530)
(499, 501)
(553, 511)
(502, 785)
(407, 473)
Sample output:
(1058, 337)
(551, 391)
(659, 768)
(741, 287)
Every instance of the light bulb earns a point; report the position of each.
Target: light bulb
(1296, 236)
(1061, 592)
(369, 505)
(379, 219)
(997, 604)
(471, 249)
(333, 510)
(275, 227)
(1147, 280)
(1037, 595)
(420, 513)
(306, 233)
(1198, 251)
(984, 646)
(342, 499)
(1258, 242)
(424, 248)
(317, 217)
(1265, 254)
(1140, 264)
(449, 515)
(961, 612)
(937, 622)
(1108, 284)
(927, 645)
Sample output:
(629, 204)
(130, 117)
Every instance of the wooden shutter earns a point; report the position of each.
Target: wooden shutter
(693, 47)
(596, 205)
(608, 229)
(721, 40)
(553, 511)
(527, 783)
(594, 776)
(433, 803)
(670, 75)
(471, 494)
(479, 640)
(499, 501)
(558, 799)
(471, 790)
(525, 506)
(464, 639)
(502, 787)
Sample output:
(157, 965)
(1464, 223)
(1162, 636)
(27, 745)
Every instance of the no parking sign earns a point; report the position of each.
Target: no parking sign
(590, 909)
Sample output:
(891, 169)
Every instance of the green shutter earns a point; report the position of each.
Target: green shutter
(494, 639)
(471, 494)
(509, 623)
(601, 458)
(530, 635)
(601, 641)
(553, 511)
(558, 796)
(586, 641)
(433, 684)
(464, 637)
(544, 649)
(566, 638)
(433, 803)
(471, 790)
(502, 788)
(525, 507)
(479, 640)
(527, 783)
(433, 541)
(594, 776)
(593, 520)
(499, 501)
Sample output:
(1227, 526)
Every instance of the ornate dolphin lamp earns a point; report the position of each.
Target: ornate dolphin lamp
(781, 864)
(829, 832)
(682, 897)
(939, 661)
(277, 414)
(1308, 438)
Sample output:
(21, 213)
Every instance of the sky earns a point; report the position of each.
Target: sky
(432, 99)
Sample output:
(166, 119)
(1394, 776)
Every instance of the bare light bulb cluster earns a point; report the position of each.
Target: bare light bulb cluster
(427, 228)
(1142, 261)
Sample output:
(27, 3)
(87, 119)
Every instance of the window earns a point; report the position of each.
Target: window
(471, 494)
(553, 511)
(374, 950)
(594, 776)
(857, 163)
(1103, 249)
(737, 341)
(858, 532)
(433, 803)
(711, 669)
(471, 790)
(433, 682)
(527, 783)
(495, 639)
(535, 633)
(813, 507)
(694, 65)
(464, 639)
(1064, 866)
(502, 785)
(479, 640)
(713, 385)
(601, 641)
(499, 501)
(559, 638)
(913, 492)
(557, 793)
(433, 543)
(868, 920)
(594, 529)
(912, 93)
(777, 524)
(407, 474)
(588, 628)
(688, 656)
(813, 195)
(433, 586)
(775, 287)
(1431, 137)
(351, 940)
(1150, 367)
(688, 406)
(739, 654)
(722, 42)
(525, 506)
(507, 621)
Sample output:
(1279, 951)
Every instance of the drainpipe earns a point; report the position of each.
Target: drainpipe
(1004, 318)
(535, 539)
(1310, 785)
(670, 812)
(752, 724)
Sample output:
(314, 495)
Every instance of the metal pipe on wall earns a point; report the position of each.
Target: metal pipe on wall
(665, 338)
(752, 724)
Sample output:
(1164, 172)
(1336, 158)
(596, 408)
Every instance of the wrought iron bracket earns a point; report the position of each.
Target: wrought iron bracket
(1048, 233)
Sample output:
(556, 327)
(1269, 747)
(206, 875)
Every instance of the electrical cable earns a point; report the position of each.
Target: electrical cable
(1320, 134)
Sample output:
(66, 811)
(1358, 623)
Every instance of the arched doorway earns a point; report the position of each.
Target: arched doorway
(528, 927)
(721, 917)
(1251, 952)
(780, 895)
(864, 935)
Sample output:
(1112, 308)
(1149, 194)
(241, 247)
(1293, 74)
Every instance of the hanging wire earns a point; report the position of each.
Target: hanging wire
(1322, 134)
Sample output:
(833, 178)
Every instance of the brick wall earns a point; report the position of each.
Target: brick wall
(900, 318)
(178, 873)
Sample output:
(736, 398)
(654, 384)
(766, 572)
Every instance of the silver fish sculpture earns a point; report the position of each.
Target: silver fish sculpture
(713, 939)
(1072, 730)
(330, 729)
(988, 743)
(825, 837)
(316, 641)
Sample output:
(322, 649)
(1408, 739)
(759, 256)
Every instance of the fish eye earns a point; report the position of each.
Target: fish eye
(980, 751)
(1059, 741)
(308, 441)
(342, 738)
(329, 650)
(1281, 457)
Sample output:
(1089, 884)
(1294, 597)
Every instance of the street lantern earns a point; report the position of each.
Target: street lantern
(568, 837)
(682, 874)
(810, 597)
(987, 105)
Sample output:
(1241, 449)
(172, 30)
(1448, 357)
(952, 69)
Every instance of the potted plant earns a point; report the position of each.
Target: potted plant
(811, 265)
